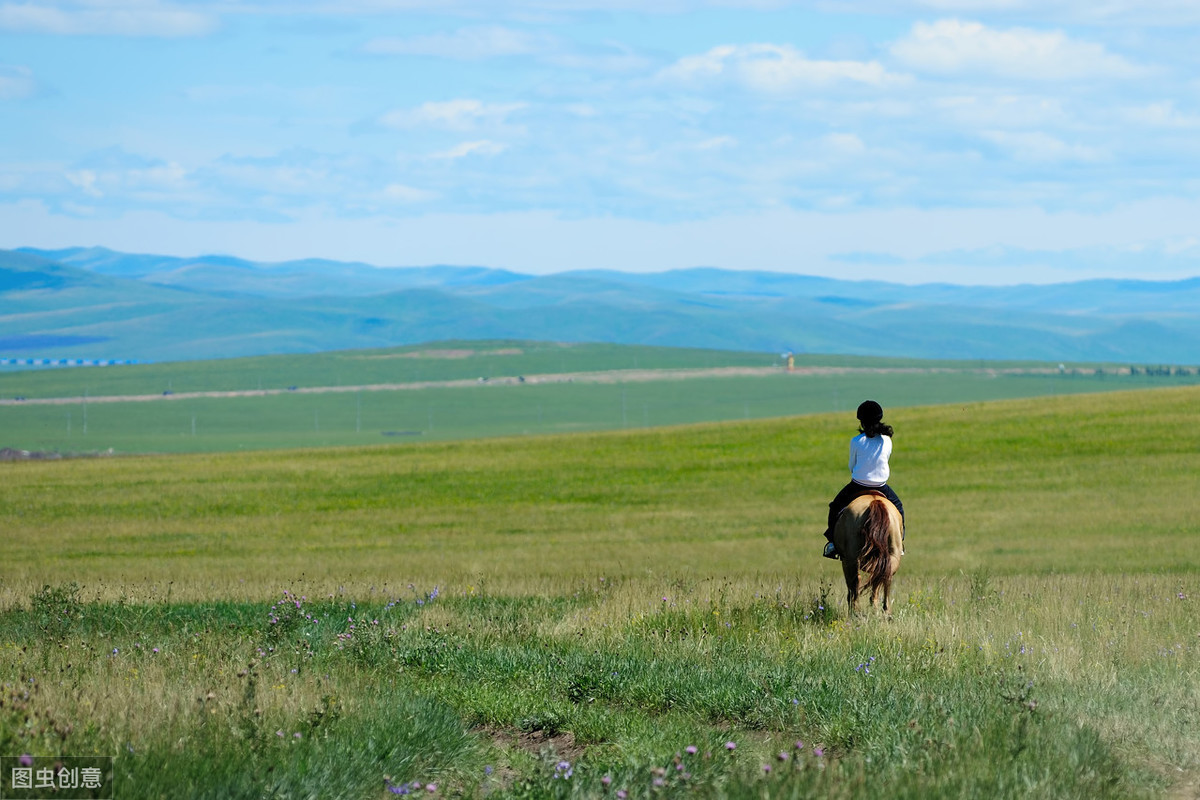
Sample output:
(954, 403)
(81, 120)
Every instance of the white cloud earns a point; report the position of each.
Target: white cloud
(16, 83)
(450, 114)
(1161, 115)
(844, 143)
(398, 192)
(483, 147)
(986, 110)
(952, 47)
(1036, 146)
(717, 143)
(776, 68)
(466, 43)
(85, 179)
(104, 18)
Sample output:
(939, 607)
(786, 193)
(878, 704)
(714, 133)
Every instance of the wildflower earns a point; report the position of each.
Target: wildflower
(766, 767)
(799, 745)
(279, 734)
(730, 745)
(783, 756)
(795, 701)
(690, 750)
(115, 651)
(155, 650)
(487, 770)
(818, 752)
(606, 780)
(296, 735)
(622, 794)
(563, 770)
(431, 787)
(26, 760)
(659, 782)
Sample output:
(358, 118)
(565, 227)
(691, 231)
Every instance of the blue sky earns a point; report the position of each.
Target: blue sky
(972, 141)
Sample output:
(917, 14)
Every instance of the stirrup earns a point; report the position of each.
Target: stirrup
(831, 552)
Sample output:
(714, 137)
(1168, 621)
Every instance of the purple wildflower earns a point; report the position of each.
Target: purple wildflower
(818, 751)
(607, 779)
(26, 760)
(731, 745)
(690, 749)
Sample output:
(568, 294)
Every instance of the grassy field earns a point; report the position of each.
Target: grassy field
(640, 612)
(315, 400)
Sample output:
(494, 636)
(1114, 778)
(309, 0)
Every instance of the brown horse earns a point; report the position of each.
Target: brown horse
(868, 537)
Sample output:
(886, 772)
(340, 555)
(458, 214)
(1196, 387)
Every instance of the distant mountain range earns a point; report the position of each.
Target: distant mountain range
(97, 303)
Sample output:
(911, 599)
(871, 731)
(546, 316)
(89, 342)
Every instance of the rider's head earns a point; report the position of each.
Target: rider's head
(870, 412)
(870, 415)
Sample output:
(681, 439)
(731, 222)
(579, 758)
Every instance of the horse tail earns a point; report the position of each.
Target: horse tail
(875, 555)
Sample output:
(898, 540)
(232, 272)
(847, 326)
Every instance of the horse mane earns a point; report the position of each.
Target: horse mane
(875, 530)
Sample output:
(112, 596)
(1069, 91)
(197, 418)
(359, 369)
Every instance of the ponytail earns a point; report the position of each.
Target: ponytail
(873, 429)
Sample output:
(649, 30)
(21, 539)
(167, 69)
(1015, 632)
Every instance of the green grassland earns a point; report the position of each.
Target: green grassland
(433, 410)
(566, 615)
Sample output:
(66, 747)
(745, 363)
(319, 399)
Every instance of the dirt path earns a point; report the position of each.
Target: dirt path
(612, 376)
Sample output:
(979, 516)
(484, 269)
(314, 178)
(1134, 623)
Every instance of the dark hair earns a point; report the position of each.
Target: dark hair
(870, 415)
(873, 429)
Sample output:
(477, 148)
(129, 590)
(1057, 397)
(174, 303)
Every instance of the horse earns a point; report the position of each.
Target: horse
(868, 535)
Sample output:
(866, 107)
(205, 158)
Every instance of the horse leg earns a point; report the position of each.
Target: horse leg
(850, 571)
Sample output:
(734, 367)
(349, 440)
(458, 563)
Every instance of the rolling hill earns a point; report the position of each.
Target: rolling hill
(97, 303)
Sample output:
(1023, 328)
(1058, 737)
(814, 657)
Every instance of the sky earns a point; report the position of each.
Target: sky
(965, 141)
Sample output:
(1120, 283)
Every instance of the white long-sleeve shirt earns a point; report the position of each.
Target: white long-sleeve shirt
(869, 459)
